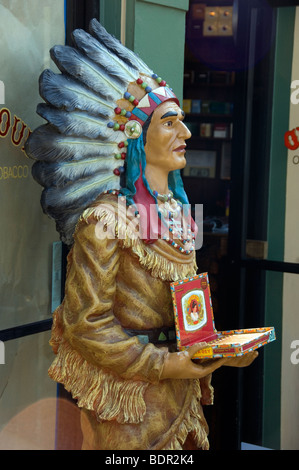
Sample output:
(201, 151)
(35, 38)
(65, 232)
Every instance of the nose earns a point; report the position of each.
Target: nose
(184, 132)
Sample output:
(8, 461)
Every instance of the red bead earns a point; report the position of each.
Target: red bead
(122, 127)
(139, 81)
(117, 110)
(123, 155)
(116, 172)
(121, 145)
(135, 102)
(162, 83)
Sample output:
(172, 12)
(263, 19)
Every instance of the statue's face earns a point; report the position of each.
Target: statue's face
(165, 139)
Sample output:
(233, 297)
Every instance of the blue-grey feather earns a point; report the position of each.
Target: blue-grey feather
(63, 92)
(46, 144)
(98, 53)
(79, 124)
(75, 195)
(115, 46)
(61, 173)
(71, 61)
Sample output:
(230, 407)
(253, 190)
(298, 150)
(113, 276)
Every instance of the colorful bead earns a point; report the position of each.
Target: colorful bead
(117, 110)
(135, 102)
(123, 156)
(171, 242)
(116, 126)
(128, 114)
(127, 95)
(117, 156)
(121, 145)
(116, 172)
(110, 124)
(122, 127)
(159, 80)
(123, 112)
(144, 86)
(131, 98)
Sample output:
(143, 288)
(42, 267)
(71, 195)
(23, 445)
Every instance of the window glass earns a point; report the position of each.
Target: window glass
(27, 31)
(27, 395)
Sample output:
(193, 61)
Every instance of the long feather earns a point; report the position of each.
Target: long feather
(46, 144)
(61, 173)
(79, 124)
(63, 92)
(76, 195)
(115, 46)
(98, 53)
(66, 226)
(72, 62)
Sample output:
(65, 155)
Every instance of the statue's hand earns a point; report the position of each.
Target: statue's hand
(180, 365)
(241, 361)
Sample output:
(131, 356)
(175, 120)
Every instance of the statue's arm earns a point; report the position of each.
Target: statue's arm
(90, 325)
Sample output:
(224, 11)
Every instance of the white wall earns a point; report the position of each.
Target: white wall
(290, 370)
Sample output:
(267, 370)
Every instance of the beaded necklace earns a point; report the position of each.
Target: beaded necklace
(170, 218)
(170, 211)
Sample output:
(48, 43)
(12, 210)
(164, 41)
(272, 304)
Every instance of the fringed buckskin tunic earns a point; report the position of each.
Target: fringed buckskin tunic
(115, 282)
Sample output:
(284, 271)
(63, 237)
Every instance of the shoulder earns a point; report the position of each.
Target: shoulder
(111, 215)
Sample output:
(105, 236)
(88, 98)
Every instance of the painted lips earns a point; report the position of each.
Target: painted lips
(182, 148)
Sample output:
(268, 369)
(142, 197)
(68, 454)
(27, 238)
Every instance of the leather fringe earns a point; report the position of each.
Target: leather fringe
(109, 397)
(159, 266)
(193, 423)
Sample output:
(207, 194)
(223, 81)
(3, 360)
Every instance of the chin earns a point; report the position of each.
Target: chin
(181, 163)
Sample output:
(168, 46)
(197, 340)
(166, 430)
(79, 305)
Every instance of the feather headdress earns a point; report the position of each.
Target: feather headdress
(101, 98)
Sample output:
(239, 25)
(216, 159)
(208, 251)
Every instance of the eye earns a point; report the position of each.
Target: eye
(168, 123)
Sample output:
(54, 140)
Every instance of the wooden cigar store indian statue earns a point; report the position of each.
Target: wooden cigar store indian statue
(109, 160)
